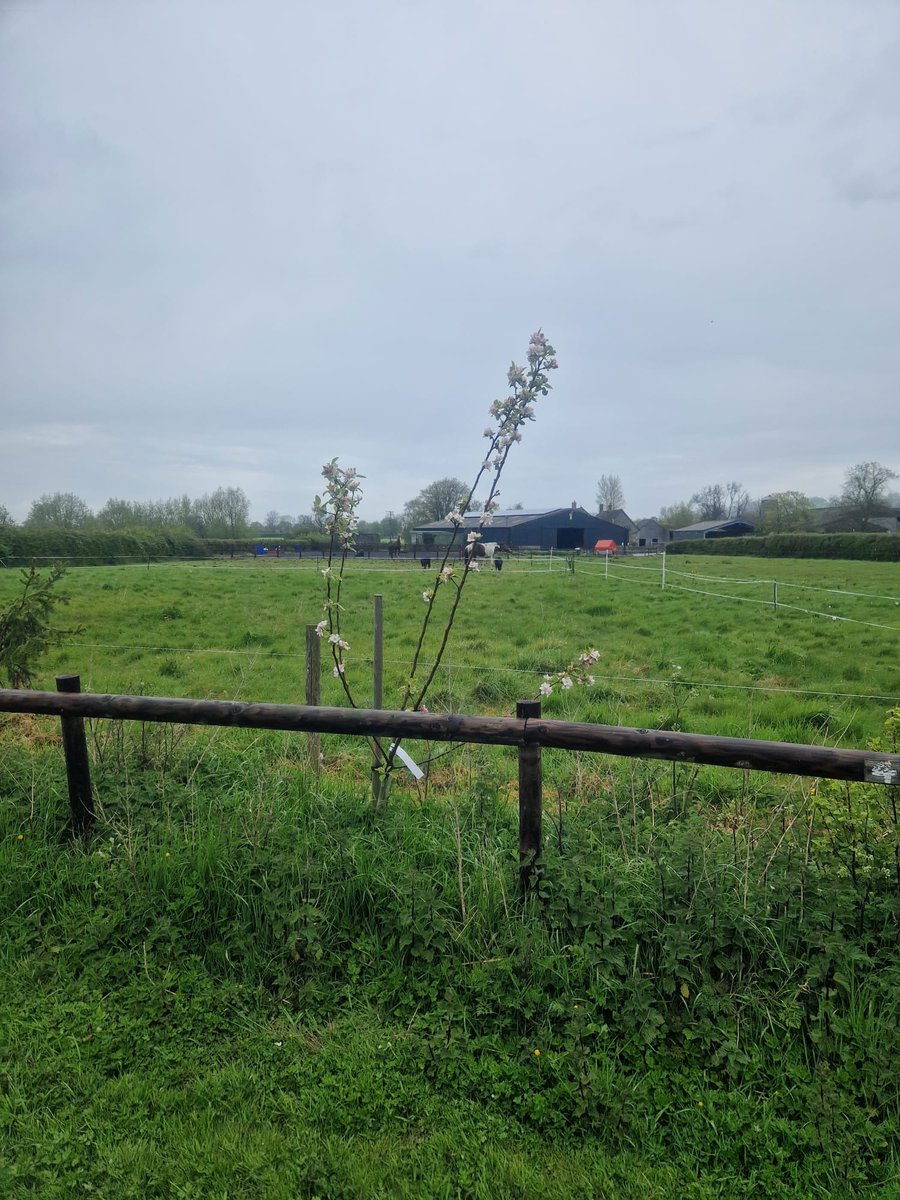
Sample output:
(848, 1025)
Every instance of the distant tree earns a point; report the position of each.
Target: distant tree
(61, 510)
(279, 524)
(389, 525)
(737, 500)
(865, 489)
(235, 509)
(434, 502)
(785, 512)
(5, 517)
(718, 502)
(674, 516)
(310, 523)
(710, 502)
(609, 493)
(121, 514)
(222, 513)
(176, 513)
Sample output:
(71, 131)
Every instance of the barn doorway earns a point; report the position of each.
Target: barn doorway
(569, 539)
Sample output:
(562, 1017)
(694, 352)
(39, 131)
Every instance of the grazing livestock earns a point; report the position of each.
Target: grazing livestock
(394, 548)
(487, 550)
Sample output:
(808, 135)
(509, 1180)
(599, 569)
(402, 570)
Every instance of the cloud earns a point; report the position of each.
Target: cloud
(240, 240)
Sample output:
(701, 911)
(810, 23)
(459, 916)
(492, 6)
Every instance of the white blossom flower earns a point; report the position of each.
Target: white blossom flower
(320, 628)
(566, 682)
(426, 596)
(546, 689)
(337, 669)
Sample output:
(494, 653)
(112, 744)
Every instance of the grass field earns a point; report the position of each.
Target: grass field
(736, 666)
(253, 986)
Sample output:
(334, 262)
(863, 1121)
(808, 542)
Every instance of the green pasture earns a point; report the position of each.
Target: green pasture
(252, 985)
(727, 663)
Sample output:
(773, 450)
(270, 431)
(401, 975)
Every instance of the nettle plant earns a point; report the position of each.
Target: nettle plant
(337, 509)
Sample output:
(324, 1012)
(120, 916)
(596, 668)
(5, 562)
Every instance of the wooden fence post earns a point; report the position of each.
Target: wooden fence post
(78, 771)
(313, 677)
(529, 800)
(377, 681)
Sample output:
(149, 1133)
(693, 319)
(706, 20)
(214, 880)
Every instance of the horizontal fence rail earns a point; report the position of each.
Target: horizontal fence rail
(824, 762)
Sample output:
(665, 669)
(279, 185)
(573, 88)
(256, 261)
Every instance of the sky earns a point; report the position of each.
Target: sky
(239, 238)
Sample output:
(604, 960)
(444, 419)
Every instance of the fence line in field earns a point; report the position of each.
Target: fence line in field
(261, 651)
(528, 732)
(771, 602)
(812, 612)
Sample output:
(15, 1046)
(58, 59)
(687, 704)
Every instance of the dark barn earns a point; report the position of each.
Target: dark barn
(561, 529)
(713, 529)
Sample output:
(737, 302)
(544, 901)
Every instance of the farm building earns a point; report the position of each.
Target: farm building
(649, 534)
(570, 528)
(713, 529)
(618, 516)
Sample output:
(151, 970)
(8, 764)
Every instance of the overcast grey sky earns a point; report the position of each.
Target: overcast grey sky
(240, 237)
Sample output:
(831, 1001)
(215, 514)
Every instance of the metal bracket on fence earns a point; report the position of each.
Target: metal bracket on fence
(882, 770)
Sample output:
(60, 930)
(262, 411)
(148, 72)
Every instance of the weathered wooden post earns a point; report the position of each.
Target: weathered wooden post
(377, 682)
(78, 771)
(530, 800)
(313, 675)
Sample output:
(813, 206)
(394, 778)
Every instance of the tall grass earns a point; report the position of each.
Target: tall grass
(707, 977)
(252, 985)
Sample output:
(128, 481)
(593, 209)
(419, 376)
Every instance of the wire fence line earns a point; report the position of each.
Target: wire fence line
(812, 612)
(261, 651)
(774, 602)
(784, 583)
(583, 565)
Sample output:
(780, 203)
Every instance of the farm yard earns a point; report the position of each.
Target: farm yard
(252, 984)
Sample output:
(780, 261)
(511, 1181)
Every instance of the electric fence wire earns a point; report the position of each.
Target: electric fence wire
(782, 583)
(632, 679)
(768, 602)
(795, 607)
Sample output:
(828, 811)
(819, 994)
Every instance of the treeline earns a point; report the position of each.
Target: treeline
(222, 513)
(94, 547)
(877, 546)
(20, 546)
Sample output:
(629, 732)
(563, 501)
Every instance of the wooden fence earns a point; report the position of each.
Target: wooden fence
(528, 731)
